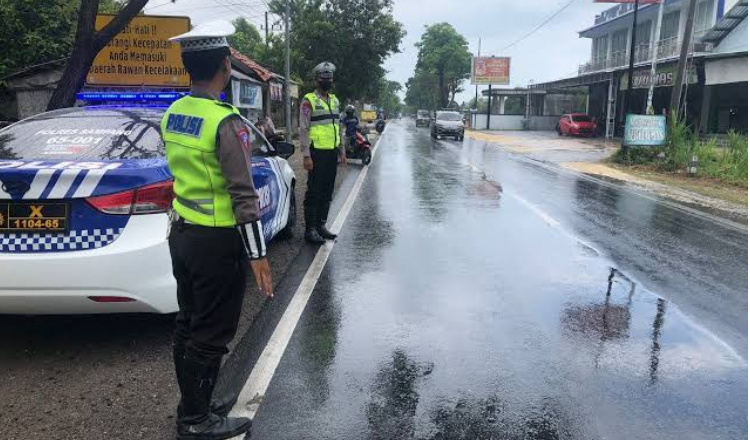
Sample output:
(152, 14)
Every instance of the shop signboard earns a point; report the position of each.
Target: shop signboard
(645, 130)
(664, 77)
(625, 7)
(141, 54)
(490, 70)
(246, 95)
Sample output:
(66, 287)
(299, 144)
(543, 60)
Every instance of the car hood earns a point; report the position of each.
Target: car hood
(449, 124)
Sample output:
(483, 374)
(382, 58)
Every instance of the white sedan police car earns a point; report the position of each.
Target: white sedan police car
(84, 194)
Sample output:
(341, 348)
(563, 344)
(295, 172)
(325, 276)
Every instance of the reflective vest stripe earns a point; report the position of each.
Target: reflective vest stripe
(324, 117)
(195, 205)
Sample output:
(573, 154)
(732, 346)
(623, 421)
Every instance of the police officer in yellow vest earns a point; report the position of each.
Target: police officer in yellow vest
(215, 230)
(320, 143)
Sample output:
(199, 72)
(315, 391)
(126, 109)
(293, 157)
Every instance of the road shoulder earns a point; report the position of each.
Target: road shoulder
(590, 157)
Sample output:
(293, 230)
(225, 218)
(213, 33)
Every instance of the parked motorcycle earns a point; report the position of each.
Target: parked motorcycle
(361, 148)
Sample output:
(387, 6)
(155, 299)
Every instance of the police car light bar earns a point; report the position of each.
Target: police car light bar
(132, 96)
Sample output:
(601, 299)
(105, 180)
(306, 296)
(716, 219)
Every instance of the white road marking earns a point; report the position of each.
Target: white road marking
(253, 392)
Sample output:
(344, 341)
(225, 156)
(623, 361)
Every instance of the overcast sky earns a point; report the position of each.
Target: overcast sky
(553, 52)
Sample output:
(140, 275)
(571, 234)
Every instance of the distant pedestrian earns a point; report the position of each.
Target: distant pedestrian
(320, 143)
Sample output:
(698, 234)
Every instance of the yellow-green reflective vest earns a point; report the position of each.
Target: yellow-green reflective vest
(190, 131)
(324, 122)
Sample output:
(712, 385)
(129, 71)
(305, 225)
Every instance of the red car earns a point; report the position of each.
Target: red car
(577, 124)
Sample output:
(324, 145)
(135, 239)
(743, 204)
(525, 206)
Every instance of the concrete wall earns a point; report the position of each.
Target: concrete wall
(32, 102)
(543, 122)
(513, 122)
(498, 122)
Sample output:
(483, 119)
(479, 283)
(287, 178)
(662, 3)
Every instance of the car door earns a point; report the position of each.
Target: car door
(266, 181)
(565, 123)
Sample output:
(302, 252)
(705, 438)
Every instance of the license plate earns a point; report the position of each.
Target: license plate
(34, 217)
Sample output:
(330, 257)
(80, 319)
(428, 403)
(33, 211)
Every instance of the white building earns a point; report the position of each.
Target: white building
(716, 78)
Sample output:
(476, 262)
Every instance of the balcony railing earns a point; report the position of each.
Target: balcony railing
(667, 48)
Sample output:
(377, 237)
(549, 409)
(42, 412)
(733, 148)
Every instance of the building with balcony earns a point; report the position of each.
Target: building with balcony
(715, 86)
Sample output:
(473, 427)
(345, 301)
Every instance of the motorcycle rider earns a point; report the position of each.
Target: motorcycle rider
(350, 123)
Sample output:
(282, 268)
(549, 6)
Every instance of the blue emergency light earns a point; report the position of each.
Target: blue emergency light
(135, 96)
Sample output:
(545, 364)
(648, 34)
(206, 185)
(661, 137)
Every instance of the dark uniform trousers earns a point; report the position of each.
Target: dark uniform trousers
(320, 183)
(210, 266)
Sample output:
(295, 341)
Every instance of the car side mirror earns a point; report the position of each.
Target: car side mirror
(284, 149)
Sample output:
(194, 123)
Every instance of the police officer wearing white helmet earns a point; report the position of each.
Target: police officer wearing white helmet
(320, 142)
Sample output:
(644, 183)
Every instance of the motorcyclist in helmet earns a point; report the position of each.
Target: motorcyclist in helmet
(350, 122)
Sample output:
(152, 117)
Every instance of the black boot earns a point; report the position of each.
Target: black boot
(313, 237)
(219, 406)
(324, 232)
(197, 421)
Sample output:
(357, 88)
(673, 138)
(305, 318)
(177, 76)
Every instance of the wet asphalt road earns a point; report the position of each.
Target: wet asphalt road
(474, 294)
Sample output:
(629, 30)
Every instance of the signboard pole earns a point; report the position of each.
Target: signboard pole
(476, 87)
(632, 59)
(287, 85)
(679, 78)
(654, 57)
(489, 104)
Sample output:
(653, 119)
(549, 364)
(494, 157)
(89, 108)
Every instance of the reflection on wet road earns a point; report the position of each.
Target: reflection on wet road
(457, 304)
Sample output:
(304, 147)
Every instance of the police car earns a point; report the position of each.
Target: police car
(84, 194)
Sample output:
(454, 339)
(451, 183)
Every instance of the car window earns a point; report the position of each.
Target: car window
(423, 114)
(581, 118)
(84, 135)
(448, 116)
(260, 145)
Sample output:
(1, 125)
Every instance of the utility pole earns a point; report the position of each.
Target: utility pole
(489, 104)
(476, 86)
(629, 90)
(287, 73)
(654, 58)
(266, 29)
(687, 39)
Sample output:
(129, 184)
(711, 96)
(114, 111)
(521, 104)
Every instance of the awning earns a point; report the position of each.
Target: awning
(241, 76)
(726, 71)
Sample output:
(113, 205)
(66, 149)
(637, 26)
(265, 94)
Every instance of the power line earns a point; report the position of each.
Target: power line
(227, 4)
(541, 25)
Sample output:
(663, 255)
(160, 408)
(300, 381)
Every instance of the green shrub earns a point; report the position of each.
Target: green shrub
(727, 164)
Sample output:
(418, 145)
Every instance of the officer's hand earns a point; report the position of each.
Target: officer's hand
(307, 163)
(342, 159)
(262, 272)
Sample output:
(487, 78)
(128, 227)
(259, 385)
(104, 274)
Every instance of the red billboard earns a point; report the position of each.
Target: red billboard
(490, 70)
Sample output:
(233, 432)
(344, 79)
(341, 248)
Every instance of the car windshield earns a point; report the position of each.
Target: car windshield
(423, 114)
(448, 116)
(581, 118)
(85, 134)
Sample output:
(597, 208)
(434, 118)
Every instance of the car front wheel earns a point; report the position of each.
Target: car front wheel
(291, 220)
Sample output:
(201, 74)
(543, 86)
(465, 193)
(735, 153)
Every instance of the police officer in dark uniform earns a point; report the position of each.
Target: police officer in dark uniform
(215, 229)
(320, 142)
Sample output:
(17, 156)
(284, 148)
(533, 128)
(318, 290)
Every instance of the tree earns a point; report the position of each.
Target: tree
(87, 44)
(38, 31)
(388, 97)
(247, 39)
(422, 91)
(444, 53)
(355, 35)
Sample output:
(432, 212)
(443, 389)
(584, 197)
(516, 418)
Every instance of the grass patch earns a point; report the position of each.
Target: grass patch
(717, 164)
